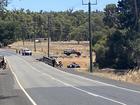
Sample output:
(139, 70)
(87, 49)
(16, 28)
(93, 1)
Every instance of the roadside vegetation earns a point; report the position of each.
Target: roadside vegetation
(133, 76)
(115, 31)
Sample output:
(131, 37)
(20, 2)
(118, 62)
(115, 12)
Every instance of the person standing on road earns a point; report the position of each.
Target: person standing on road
(53, 62)
(16, 50)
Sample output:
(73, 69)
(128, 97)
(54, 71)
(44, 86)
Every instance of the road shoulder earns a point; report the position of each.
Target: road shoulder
(104, 80)
(10, 92)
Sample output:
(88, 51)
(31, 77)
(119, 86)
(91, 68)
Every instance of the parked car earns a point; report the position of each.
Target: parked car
(68, 52)
(26, 51)
(73, 65)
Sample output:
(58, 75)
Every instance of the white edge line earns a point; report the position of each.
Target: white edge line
(107, 84)
(89, 93)
(66, 84)
(100, 82)
(29, 97)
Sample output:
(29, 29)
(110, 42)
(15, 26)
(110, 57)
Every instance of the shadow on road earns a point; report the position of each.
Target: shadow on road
(7, 97)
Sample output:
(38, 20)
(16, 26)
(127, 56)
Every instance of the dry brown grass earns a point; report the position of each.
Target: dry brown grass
(131, 76)
(57, 49)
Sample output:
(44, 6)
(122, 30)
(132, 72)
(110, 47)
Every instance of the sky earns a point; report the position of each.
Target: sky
(57, 5)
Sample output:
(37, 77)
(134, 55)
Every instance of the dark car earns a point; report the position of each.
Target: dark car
(68, 52)
(73, 65)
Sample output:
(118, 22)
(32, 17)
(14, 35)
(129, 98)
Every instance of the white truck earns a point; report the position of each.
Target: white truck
(26, 51)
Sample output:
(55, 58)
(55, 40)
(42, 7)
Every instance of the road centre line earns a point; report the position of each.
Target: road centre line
(118, 87)
(66, 84)
(16, 78)
(89, 93)
(130, 90)
(107, 84)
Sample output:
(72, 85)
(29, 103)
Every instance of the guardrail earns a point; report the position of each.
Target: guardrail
(49, 61)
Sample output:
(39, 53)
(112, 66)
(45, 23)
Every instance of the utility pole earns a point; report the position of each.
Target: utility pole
(22, 33)
(90, 36)
(136, 13)
(49, 31)
(61, 32)
(35, 42)
(34, 25)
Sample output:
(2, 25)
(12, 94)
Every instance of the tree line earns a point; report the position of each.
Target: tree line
(115, 31)
(122, 47)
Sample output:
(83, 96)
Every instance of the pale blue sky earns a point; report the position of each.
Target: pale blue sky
(56, 5)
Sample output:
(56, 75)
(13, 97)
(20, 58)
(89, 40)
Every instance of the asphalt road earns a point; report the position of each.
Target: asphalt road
(10, 92)
(45, 85)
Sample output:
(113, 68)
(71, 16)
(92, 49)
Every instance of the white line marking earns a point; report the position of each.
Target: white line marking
(29, 97)
(135, 91)
(89, 93)
(69, 85)
(107, 84)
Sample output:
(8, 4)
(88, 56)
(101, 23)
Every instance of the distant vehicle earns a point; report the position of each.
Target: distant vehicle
(68, 52)
(9, 46)
(73, 65)
(26, 51)
(37, 41)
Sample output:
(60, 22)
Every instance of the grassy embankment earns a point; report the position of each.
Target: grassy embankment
(131, 76)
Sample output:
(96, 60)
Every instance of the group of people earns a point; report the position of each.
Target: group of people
(17, 51)
(56, 63)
